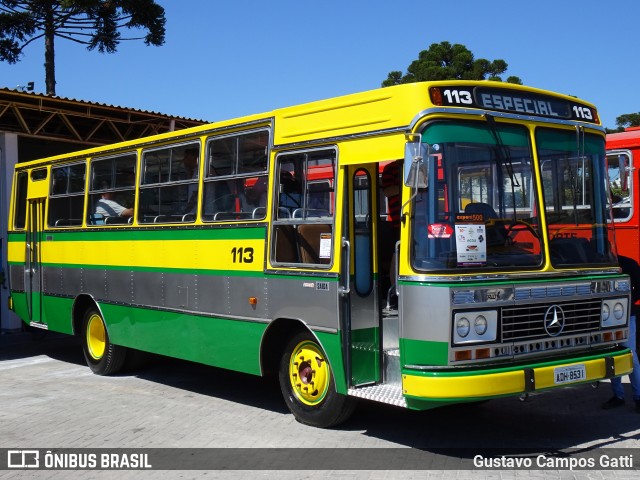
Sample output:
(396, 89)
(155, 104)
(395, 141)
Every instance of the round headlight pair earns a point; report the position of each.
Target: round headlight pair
(463, 326)
(618, 311)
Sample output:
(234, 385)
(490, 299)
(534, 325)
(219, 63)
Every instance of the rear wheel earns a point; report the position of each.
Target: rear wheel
(103, 357)
(308, 386)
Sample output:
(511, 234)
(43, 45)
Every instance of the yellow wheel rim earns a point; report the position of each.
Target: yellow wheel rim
(96, 337)
(309, 373)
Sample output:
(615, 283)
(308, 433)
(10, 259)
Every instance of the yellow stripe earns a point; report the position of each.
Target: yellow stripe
(186, 254)
(16, 252)
(505, 383)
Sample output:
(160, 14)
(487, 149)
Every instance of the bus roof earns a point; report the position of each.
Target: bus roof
(383, 109)
(627, 139)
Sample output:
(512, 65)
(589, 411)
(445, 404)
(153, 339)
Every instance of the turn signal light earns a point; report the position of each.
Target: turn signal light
(483, 353)
(463, 355)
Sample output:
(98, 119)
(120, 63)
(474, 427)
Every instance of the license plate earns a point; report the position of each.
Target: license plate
(570, 374)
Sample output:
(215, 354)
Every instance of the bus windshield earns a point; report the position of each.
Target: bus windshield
(574, 184)
(481, 210)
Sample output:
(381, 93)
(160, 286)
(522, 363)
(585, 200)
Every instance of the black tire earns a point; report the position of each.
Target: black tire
(102, 357)
(308, 386)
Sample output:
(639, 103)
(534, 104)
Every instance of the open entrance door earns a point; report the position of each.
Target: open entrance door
(32, 267)
(370, 308)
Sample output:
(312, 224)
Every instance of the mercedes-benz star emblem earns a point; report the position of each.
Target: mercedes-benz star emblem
(554, 320)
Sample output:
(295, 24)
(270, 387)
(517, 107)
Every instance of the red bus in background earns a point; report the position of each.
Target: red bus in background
(623, 160)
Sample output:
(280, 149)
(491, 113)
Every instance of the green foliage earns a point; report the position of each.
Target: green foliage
(628, 120)
(443, 61)
(94, 23)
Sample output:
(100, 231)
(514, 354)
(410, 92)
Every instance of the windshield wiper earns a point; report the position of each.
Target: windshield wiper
(504, 156)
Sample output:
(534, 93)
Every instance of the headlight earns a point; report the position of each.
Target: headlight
(480, 325)
(475, 327)
(463, 327)
(614, 312)
(618, 311)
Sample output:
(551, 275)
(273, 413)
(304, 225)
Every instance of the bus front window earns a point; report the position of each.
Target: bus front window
(574, 182)
(480, 209)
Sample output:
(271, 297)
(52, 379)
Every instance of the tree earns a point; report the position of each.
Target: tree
(443, 61)
(628, 120)
(94, 23)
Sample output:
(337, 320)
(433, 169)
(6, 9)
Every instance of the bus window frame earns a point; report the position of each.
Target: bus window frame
(630, 184)
(20, 202)
(234, 177)
(293, 221)
(72, 222)
(185, 217)
(96, 191)
(363, 257)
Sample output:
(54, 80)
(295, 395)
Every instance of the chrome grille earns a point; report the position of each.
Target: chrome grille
(526, 322)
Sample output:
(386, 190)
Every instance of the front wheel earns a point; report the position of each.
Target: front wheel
(308, 386)
(102, 356)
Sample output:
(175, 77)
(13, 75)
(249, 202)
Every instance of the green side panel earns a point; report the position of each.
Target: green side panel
(256, 232)
(230, 344)
(332, 345)
(365, 356)
(57, 314)
(422, 352)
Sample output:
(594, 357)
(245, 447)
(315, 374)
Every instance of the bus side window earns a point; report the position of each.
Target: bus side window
(169, 184)
(620, 185)
(112, 190)
(66, 201)
(303, 229)
(235, 183)
(20, 211)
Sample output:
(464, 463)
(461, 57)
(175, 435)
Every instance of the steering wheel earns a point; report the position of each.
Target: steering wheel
(528, 226)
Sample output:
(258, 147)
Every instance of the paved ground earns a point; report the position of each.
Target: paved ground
(50, 400)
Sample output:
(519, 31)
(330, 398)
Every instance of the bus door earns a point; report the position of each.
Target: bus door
(32, 271)
(362, 303)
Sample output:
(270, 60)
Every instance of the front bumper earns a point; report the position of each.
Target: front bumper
(456, 386)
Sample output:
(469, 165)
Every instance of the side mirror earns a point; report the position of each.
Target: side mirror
(415, 168)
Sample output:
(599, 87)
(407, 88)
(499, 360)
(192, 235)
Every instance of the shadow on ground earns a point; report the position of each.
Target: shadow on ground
(547, 421)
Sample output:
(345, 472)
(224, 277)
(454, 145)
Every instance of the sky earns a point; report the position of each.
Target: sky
(229, 58)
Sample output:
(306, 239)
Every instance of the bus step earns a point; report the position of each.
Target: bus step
(391, 394)
(391, 364)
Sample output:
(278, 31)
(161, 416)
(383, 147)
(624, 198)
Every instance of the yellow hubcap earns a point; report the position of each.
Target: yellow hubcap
(96, 337)
(309, 373)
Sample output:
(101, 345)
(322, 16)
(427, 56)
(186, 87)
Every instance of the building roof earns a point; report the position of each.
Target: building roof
(78, 121)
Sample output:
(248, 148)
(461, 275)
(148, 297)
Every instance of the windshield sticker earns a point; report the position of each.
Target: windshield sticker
(471, 243)
(439, 230)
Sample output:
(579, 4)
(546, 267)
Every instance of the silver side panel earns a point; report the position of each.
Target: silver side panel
(312, 300)
(16, 273)
(425, 313)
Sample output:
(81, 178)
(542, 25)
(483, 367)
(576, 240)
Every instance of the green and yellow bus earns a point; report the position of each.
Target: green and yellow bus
(264, 244)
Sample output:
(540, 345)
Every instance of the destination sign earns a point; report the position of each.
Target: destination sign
(513, 101)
